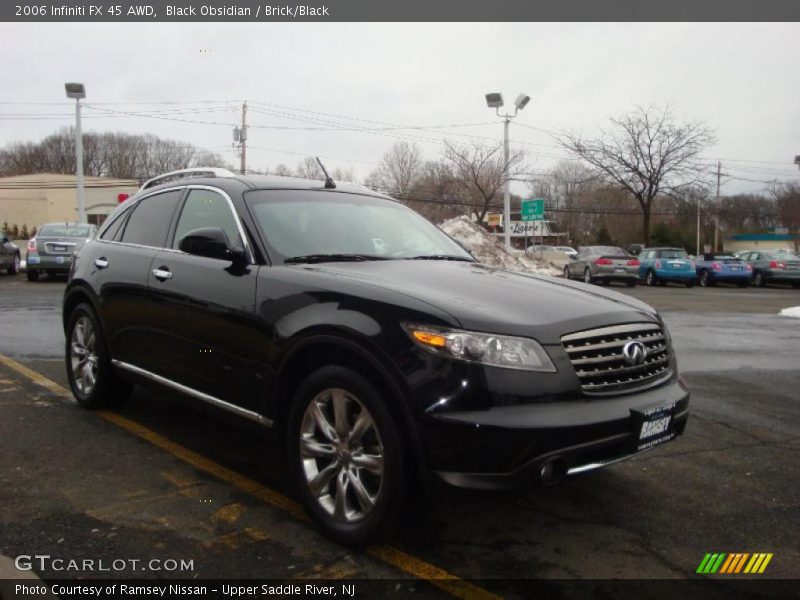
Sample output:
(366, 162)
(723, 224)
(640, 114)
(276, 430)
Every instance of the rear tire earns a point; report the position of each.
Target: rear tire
(91, 377)
(705, 279)
(587, 277)
(566, 273)
(352, 480)
(758, 279)
(650, 279)
(32, 275)
(13, 269)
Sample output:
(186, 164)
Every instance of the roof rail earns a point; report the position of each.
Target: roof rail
(184, 173)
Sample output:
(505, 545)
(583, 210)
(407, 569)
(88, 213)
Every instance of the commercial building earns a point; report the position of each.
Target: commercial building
(34, 199)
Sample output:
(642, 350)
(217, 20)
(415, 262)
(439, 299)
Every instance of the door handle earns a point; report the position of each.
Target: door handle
(162, 273)
(101, 263)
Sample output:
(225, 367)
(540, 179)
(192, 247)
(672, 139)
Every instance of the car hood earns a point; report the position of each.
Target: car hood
(482, 298)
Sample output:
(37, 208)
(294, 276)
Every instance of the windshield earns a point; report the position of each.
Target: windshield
(302, 223)
(77, 231)
(672, 254)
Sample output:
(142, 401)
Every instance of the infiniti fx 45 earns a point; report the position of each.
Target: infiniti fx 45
(386, 357)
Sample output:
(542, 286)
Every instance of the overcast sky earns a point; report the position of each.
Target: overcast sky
(741, 79)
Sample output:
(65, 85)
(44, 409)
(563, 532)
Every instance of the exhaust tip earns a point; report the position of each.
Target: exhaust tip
(552, 471)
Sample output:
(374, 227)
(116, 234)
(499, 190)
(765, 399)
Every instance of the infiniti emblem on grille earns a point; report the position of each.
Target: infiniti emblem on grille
(634, 352)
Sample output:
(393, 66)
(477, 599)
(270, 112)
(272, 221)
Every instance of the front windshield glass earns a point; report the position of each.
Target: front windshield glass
(77, 231)
(299, 223)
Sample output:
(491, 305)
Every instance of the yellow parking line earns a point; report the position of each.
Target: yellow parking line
(408, 563)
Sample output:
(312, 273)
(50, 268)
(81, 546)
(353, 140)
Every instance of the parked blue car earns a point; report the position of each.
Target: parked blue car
(661, 265)
(713, 268)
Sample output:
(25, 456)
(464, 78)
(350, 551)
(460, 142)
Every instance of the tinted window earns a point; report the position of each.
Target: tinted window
(204, 208)
(111, 232)
(151, 218)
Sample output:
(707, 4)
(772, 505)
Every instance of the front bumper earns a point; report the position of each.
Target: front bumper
(506, 447)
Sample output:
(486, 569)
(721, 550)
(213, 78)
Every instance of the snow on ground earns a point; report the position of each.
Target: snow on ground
(488, 249)
(792, 311)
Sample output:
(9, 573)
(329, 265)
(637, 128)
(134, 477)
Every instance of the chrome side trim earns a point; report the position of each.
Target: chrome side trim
(237, 410)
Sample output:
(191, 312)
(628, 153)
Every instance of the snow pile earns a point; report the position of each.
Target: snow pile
(488, 249)
(792, 311)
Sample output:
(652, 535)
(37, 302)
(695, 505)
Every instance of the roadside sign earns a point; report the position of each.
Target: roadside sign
(533, 210)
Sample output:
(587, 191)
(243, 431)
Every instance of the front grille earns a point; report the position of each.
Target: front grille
(598, 360)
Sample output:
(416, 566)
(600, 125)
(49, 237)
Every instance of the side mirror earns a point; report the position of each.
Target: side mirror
(211, 242)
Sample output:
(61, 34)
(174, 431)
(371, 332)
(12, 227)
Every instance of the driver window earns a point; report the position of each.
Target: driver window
(205, 208)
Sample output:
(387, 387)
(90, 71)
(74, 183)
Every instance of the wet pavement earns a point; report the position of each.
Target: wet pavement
(76, 482)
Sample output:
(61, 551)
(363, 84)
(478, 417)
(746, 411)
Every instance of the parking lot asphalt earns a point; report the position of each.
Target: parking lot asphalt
(156, 479)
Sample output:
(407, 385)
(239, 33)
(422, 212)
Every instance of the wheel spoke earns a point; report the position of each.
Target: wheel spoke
(340, 414)
(319, 484)
(322, 422)
(362, 424)
(370, 462)
(90, 338)
(340, 501)
(312, 448)
(78, 333)
(78, 350)
(365, 501)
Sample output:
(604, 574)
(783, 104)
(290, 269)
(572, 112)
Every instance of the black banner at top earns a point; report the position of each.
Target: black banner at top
(397, 10)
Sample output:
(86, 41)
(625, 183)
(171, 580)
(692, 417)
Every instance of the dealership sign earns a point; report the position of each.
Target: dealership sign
(529, 228)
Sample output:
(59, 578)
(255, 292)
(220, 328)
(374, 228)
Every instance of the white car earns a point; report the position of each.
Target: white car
(567, 250)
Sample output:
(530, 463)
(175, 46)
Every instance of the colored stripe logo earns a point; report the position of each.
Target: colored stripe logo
(734, 562)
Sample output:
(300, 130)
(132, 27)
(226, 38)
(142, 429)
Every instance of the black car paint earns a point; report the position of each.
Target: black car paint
(234, 334)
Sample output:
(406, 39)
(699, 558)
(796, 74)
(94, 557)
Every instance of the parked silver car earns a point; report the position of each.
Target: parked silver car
(52, 249)
(603, 264)
(9, 255)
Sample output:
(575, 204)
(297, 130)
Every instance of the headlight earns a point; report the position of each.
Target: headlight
(484, 348)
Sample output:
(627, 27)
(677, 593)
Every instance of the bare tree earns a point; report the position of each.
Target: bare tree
(787, 201)
(283, 170)
(120, 155)
(398, 170)
(308, 168)
(646, 153)
(481, 172)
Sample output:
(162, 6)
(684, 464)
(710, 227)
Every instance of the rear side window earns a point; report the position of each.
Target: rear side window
(149, 224)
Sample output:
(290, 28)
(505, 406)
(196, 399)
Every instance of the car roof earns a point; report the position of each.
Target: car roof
(263, 182)
(65, 224)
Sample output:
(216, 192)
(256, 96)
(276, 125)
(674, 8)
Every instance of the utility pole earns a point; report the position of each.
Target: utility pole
(243, 139)
(697, 200)
(716, 225)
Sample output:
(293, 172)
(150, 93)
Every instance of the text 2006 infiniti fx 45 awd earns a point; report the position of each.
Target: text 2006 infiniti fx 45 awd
(383, 353)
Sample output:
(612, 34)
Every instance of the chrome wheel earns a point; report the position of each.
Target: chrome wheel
(342, 455)
(83, 355)
(587, 276)
(15, 266)
(651, 278)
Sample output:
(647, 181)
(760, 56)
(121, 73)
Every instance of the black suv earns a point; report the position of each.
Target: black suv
(380, 350)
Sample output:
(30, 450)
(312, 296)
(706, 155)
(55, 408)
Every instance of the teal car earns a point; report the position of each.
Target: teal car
(658, 266)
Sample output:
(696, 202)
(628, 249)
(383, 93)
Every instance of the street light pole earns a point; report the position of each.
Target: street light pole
(495, 101)
(77, 91)
(79, 160)
(506, 188)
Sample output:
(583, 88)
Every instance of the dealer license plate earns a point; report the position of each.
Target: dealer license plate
(59, 248)
(653, 426)
(619, 270)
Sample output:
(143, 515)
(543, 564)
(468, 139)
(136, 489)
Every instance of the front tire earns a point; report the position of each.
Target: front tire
(88, 363)
(650, 278)
(759, 280)
(587, 276)
(566, 273)
(345, 456)
(705, 279)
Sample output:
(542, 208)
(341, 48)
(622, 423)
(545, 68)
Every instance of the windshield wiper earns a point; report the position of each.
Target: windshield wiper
(319, 258)
(440, 257)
